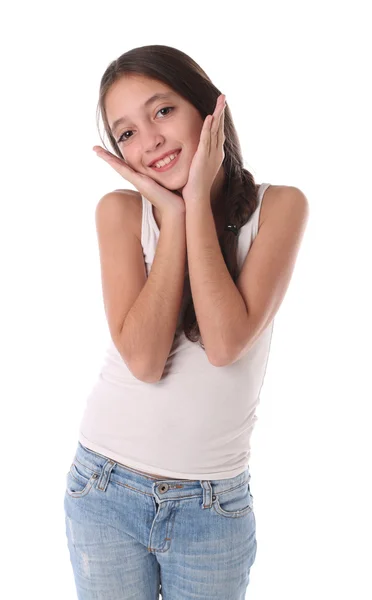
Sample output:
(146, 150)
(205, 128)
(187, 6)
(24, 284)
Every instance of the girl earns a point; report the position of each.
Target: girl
(195, 263)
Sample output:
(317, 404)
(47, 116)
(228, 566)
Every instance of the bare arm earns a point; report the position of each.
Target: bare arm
(149, 327)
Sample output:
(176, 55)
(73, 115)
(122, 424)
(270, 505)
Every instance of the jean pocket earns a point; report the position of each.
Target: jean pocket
(79, 480)
(236, 502)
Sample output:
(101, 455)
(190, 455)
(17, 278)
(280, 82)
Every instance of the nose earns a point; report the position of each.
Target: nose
(151, 139)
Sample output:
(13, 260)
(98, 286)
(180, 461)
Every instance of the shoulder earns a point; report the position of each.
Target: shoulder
(127, 201)
(278, 198)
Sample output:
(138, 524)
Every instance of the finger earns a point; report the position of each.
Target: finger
(102, 152)
(218, 127)
(217, 115)
(221, 129)
(221, 100)
(205, 134)
(116, 163)
(109, 157)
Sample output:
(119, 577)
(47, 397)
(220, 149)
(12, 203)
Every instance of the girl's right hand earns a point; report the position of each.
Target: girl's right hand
(164, 200)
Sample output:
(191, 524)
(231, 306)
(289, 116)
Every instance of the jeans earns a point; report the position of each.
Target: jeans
(132, 536)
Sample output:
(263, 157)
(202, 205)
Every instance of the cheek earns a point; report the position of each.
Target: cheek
(195, 138)
(131, 159)
(190, 132)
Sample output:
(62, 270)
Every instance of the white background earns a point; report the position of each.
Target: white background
(296, 77)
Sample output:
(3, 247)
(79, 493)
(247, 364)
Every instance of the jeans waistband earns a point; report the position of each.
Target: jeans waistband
(106, 469)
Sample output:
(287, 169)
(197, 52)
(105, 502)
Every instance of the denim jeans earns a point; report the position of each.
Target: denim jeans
(132, 536)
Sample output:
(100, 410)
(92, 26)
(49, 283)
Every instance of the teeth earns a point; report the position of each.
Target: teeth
(166, 160)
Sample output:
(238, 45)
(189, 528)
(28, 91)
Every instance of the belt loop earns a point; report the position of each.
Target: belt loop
(207, 493)
(104, 478)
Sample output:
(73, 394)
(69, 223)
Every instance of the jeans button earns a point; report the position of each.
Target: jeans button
(163, 487)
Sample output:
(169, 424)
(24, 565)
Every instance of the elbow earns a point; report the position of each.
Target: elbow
(149, 378)
(225, 359)
(143, 372)
(140, 368)
(215, 362)
(218, 361)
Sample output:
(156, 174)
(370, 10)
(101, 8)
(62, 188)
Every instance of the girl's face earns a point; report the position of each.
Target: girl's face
(149, 131)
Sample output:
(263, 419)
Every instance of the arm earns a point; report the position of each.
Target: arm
(149, 327)
(219, 307)
(231, 317)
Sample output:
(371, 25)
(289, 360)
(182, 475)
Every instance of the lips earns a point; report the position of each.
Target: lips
(163, 156)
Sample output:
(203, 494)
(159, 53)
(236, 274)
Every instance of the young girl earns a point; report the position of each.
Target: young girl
(195, 264)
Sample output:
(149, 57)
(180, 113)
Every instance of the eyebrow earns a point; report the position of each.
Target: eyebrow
(147, 103)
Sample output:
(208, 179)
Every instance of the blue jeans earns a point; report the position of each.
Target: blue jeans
(128, 534)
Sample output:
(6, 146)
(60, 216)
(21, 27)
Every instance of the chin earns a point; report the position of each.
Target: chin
(178, 184)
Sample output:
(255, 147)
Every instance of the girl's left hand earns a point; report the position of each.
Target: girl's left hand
(209, 156)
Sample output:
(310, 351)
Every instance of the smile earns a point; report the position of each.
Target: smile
(167, 163)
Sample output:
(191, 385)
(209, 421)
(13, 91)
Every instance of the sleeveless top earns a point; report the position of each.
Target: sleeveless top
(197, 421)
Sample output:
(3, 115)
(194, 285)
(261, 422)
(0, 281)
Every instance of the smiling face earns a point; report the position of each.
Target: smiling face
(151, 130)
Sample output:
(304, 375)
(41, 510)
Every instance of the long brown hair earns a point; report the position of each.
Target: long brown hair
(181, 73)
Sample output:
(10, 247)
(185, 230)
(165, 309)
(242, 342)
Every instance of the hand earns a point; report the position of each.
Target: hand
(209, 156)
(164, 200)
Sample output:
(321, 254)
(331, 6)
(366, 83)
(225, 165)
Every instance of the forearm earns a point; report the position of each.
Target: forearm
(150, 325)
(218, 304)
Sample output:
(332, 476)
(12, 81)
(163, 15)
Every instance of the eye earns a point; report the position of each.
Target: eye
(124, 139)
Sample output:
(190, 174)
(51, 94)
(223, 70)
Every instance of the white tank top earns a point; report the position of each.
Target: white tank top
(197, 421)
